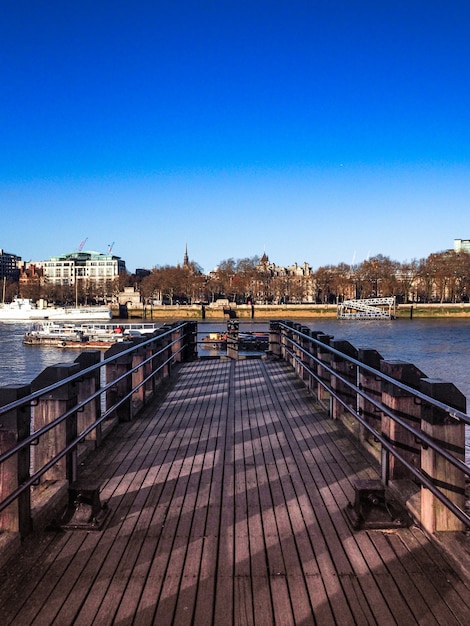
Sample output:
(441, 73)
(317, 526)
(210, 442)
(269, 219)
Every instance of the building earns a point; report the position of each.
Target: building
(92, 268)
(9, 265)
(294, 283)
(462, 245)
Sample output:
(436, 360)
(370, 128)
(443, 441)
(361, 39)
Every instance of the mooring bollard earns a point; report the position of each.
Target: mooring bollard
(14, 428)
(348, 371)
(49, 408)
(404, 406)
(87, 385)
(449, 433)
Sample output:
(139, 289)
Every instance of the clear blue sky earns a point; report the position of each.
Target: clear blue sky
(315, 131)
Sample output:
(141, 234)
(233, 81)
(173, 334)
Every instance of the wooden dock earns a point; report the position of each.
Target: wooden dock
(227, 507)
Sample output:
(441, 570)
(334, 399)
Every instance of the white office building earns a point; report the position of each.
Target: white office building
(90, 267)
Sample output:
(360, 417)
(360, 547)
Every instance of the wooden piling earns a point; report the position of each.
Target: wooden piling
(449, 433)
(49, 408)
(14, 428)
(371, 384)
(348, 371)
(87, 385)
(404, 406)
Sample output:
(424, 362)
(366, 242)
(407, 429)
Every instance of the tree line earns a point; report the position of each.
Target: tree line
(441, 277)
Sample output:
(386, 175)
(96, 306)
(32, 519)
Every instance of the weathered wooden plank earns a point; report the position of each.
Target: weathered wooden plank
(227, 507)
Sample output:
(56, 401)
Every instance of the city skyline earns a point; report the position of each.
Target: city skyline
(316, 133)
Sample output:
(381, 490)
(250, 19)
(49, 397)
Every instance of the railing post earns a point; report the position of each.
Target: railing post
(372, 386)
(190, 341)
(348, 371)
(304, 354)
(149, 386)
(402, 404)
(286, 345)
(232, 339)
(177, 337)
(118, 367)
(87, 385)
(159, 359)
(166, 355)
(274, 338)
(15, 427)
(449, 433)
(50, 407)
(137, 378)
(309, 362)
(324, 376)
(297, 352)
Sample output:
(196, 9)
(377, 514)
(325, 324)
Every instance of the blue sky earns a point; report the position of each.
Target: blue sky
(315, 131)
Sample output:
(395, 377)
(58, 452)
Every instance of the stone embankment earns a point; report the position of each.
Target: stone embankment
(297, 311)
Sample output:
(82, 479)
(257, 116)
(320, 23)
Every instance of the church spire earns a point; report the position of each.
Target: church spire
(186, 258)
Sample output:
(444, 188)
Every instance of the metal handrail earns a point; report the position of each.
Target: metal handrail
(31, 398)
(421, 436)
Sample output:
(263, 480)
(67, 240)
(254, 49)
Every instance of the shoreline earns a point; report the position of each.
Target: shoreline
(298, 311)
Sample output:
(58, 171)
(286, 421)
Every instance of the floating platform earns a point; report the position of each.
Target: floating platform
(367, 309)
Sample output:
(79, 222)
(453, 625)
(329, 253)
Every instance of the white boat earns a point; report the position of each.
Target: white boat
(87, 335)
(25, 310)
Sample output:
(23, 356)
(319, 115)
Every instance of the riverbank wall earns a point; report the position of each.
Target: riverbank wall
(297, 311)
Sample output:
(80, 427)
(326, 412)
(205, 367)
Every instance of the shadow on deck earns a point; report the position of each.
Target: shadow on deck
(227, 507)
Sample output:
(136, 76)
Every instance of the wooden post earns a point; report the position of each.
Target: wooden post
(158, 360)
(149, 387)
(313, 351)
(190, 341)
(297, 360)
(304, 354)
(15, 427)
(166, 340)
(86, 386)
(232, 339)
(177, 337)
(372, 385)
(286, 345)
(51, 406)
(449, 433)
(274, 338)
(348, 371)
(324, 376)
(402, 404)
(137, 378)
(120, 366)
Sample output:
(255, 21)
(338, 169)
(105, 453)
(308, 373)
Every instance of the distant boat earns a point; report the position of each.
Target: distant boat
(87, 335)
(25, 310)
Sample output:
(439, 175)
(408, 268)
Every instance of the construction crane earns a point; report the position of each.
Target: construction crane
(82, 243)
(110, 247)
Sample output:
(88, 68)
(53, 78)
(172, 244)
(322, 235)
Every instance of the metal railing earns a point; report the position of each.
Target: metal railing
(43, 424)
(418, 422)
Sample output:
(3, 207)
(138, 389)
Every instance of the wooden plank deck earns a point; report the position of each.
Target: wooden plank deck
(228, 508)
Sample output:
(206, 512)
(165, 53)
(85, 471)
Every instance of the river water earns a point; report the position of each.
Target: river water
(439, 348)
